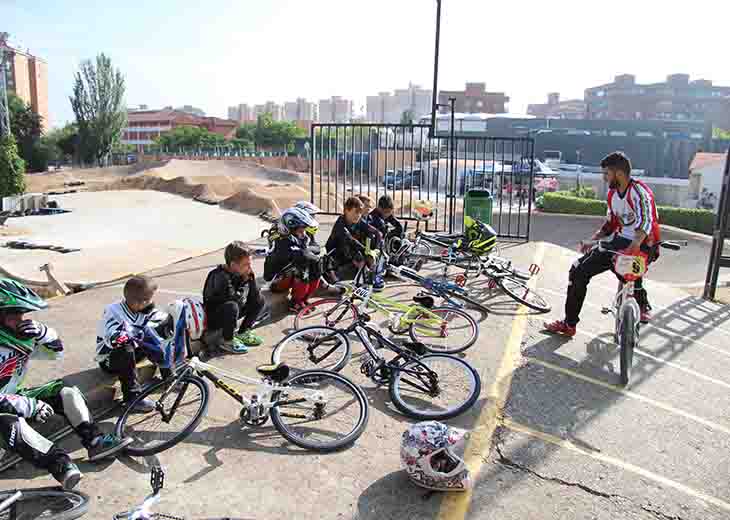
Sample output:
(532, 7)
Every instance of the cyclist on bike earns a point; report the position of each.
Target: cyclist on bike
(21, 340)
(633, 221)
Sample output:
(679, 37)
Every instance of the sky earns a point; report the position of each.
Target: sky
(218, 53)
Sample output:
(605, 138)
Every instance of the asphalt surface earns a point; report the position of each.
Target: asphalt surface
(553, 435)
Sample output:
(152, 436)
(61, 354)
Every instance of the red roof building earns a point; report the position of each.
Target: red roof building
(143, 126)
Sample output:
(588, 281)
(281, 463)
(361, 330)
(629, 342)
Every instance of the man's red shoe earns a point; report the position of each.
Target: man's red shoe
(560, 327)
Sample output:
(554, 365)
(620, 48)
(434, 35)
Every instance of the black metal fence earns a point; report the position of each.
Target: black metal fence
(404, 162)
(718, 258)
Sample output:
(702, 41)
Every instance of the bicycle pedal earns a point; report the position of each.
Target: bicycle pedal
(606, 310)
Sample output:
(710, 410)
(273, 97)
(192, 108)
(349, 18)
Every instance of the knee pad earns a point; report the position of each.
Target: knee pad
(20, 437)
(74, 406)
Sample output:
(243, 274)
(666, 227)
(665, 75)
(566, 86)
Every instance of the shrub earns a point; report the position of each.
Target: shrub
(697, 220)
(584, 192)
(12, 168)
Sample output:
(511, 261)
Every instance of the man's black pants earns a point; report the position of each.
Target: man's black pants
(588, 266)
(226, 315)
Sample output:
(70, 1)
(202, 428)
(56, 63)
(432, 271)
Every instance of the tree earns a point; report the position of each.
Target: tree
(27, 127)
(719, 133)
(61, 142)
(12, 168)
(246, 133)
(98, 102)
(270, 133)
(407, 117)
(189, 137)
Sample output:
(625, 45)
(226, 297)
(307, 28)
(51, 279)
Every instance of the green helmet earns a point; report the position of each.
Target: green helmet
(16, 296)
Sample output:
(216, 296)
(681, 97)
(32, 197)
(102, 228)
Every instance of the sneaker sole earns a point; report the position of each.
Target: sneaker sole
(111, 451)
(72, 481)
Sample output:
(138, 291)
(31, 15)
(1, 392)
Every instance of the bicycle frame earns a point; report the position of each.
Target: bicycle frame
(259, 404)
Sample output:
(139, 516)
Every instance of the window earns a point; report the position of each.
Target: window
(480, 104)
(641, 133)
(617, 133)
(600, 93)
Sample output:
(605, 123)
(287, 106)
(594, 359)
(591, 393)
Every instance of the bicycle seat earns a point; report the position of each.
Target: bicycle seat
(425, 300)
(276, 372)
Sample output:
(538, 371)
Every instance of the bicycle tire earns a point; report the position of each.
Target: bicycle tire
(627, 341)
(311, 312)
(347, 440)
(77, 503)
(518, 290)
(187, 380)
(498, 265)
(287, 347)
(412, 330)
(410, 411)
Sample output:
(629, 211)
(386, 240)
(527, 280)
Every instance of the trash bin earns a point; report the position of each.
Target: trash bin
(478, 204)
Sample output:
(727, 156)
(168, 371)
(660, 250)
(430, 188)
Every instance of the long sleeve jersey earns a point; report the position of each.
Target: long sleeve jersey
(15, 356)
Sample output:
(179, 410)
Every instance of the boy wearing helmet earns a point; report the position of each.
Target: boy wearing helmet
(231, 294)
(21, 340)
(294, 262)
(120, 338)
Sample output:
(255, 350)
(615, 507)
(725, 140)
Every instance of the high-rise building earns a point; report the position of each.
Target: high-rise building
(300, 110)
(475, 99)
(27, 77)
(335, 110)
(189, 109)
(389, 108)
(676, 99)
(556, 109)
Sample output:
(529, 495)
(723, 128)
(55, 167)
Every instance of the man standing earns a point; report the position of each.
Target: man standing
(633, 221)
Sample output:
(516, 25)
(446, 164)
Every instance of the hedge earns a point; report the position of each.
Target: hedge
(697, 220)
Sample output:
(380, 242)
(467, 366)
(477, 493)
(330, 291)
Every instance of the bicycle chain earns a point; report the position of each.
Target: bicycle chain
(167, 517)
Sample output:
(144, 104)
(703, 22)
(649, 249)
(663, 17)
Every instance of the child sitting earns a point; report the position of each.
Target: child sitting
(294, 262)
(230, 294)
(344, 253)
(119, 338)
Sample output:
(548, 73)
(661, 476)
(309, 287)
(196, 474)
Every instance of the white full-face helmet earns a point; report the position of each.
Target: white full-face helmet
(431, 453)
(308, 207)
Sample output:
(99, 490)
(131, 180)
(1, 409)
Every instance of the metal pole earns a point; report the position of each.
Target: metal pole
(434, 94)
(4, 110)
(718, 240)
(452, 193)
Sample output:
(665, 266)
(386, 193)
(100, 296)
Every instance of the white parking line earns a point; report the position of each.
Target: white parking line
(662, 361)
(649, 475)
(663, 330)
(628, 393)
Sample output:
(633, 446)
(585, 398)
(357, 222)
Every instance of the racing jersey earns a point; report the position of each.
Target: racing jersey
(633, 211)
(15, 355)
(118, 318)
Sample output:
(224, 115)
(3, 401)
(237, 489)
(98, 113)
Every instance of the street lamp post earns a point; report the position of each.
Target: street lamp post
(434, 94)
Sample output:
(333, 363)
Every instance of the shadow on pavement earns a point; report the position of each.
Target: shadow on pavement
(395, 496)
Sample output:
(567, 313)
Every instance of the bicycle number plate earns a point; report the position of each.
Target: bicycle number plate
(630, 267)
(362, 293)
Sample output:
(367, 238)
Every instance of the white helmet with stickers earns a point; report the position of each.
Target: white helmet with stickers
(431, 453)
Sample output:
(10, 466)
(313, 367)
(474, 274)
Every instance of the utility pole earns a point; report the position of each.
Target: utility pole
(4, 110)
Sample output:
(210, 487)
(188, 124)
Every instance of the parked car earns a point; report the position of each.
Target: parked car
(402, 180)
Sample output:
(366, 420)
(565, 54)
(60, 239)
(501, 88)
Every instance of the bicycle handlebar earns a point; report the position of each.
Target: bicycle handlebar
(674, 245)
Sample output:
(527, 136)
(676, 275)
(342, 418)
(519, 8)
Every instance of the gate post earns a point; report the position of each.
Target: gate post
(717, 260)
(452, 173)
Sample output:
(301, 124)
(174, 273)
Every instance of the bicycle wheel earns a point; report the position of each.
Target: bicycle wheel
(503, 266)
(177, 413)
(329, 312)
(445, 330)
(314, 347)
(435, 386)
(520, 292)
(320, 411)
(47, 503)
(627, 341)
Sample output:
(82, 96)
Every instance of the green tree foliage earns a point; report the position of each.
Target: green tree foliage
(276, 134)
(12, 168)
(27, 127)
(61, 142)
(189, 137)
(407, 117)
(98, 102)
(246, 135)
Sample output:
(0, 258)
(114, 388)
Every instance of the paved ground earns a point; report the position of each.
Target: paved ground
(553, 434)
(121, 232)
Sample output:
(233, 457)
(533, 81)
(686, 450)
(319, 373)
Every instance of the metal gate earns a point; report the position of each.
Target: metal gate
(718, 258)
(405, 163)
